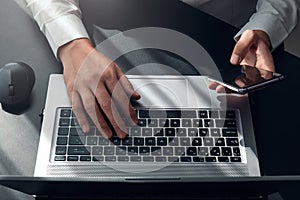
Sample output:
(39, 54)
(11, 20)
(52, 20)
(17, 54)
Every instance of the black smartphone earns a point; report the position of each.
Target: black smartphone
(244, 79)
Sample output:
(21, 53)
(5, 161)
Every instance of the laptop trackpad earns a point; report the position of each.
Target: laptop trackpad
(162, 92)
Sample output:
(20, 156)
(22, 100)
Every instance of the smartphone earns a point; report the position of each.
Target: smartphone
(244, 79)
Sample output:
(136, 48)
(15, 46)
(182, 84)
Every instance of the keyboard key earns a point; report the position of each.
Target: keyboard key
(133, 150)
(173, 159)
(226, 123)
(196, 142)
(135, 158)
(97, 150)
(223, 159)
(156, 151)
(74, 122)
(209, 123)
(215, 132)
(144, 150)
(208, 142)
(150, 141)
(121, 150)
(191, 151)
(181, 132)
(77, 140)
(115, 141)
(158, 132)
(185, 141)
(109, 150)
(235, 159)
(110, 158)
(170, 132)
(197, 123)
(127, 141)
(98, 158)
(179, 151)
(229, 133)
(198, 159)
(185, 159)
(65, 112)
(123, 158)
(62, 141)
(161, 141)
(186, 123)
(85, 158)
(152, 123)
(210, 159)
(135, 131)
(173, 141)
(103, 141)
(203, 151)
(227, 114)
(138, 141)
(232, 141)
(60, 158)
(226, 151)
(91, 140)
(160, 159)
(72, 158)
(173, 113)
(64, 122)
(214, 114)
(219, 142)
(63, 131)
(164, 123)
(142, 122)
(188, 114)
(60, 150)
(167, 151)
(203, 132)
(236, 151)
(175, 123)
(80, 150)
(203, 114)
(193, 132)
(215, 151)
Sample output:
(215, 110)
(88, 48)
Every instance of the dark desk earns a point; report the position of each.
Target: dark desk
(21, 40)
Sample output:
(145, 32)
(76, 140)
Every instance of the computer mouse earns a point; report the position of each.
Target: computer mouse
(16, 82)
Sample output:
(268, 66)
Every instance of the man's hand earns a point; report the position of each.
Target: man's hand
(97, 87)
(252, 49)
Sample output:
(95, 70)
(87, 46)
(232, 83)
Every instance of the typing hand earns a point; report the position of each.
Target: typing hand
(252, 49)
(98, 89)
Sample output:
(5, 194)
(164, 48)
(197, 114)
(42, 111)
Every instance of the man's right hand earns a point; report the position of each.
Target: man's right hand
(97, 87)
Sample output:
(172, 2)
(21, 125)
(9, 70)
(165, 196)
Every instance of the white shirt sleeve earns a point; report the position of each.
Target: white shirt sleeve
(275, 17)
(59, 20)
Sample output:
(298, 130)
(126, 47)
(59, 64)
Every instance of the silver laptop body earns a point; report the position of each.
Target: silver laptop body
(160, 94)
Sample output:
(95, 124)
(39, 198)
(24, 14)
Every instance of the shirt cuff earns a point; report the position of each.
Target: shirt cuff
(270, 25)
(64, 29)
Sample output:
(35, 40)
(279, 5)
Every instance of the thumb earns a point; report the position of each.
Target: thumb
(242, 47)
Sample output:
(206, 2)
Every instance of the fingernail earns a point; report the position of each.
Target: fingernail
(235, 59)
(85, 128)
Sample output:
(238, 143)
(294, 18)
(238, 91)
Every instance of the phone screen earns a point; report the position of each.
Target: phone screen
(244, 79)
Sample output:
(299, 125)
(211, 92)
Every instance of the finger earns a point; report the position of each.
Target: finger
(212, 85)
(127, 85)
(91, 108)
(221, 89)
(121, 95)
(79, 112)
(109, 109)
(242, 47)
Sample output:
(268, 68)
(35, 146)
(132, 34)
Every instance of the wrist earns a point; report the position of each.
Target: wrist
(264, 37)
(78, 47)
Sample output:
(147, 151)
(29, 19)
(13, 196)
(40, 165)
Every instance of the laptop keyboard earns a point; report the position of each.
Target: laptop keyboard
(172, 135)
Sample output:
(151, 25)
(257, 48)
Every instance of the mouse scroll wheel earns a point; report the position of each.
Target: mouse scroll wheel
(11, 90)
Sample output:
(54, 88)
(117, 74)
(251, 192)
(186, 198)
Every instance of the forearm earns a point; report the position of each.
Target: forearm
(277, 18)
(59, 20)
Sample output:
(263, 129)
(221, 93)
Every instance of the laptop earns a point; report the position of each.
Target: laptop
(185, 132)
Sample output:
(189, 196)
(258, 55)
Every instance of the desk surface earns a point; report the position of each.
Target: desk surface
(20, 40)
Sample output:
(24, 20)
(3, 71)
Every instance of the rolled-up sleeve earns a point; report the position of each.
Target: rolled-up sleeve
(275, 17)
(59, 20)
